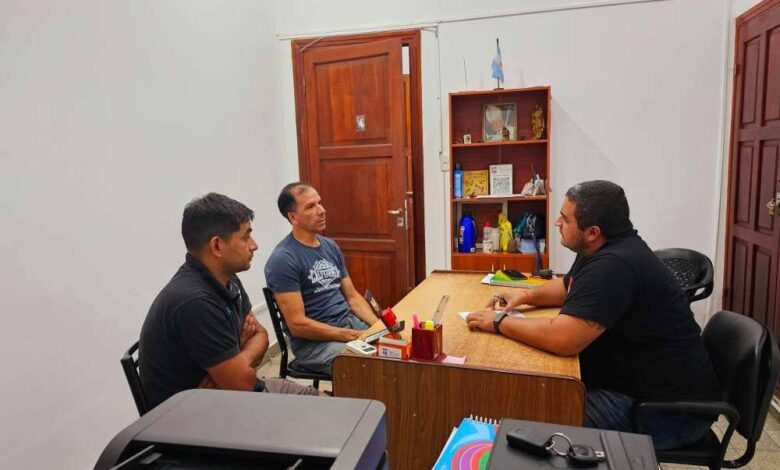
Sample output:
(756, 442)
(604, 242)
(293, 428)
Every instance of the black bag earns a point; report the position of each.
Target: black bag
(531, 226)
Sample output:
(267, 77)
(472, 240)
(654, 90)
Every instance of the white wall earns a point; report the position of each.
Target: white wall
(114, 115)
(638, 92)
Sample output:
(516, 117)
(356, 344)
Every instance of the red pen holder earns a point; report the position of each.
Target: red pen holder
(427, 344)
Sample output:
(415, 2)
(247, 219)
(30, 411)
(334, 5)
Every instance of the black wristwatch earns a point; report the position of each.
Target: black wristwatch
(497, 319)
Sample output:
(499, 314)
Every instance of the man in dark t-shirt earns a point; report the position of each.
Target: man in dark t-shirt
(200, 331)
(624, 314)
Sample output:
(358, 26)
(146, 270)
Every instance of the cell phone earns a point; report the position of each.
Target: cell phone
(514, 274)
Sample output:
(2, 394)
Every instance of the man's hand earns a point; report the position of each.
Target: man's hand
(249, 328)
(508, 300)
(208, 382)
(350, 335)
(481, 320)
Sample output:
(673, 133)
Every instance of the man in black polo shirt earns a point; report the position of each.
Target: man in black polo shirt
(200, 331)
(623, 313)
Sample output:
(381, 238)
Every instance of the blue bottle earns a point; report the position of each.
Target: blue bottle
(457, 184)
(467, 234)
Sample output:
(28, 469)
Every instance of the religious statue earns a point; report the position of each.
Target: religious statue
(505, 231)
(537, 123)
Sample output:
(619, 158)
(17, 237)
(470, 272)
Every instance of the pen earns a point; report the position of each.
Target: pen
(415, 320)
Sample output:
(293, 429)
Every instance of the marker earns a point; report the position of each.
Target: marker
(415, 320)
(428, 324)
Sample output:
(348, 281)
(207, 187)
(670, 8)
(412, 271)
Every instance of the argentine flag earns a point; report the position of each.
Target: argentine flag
(497, 66)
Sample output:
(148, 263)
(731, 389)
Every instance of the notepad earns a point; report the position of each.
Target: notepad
(469, 446)
(499, 280)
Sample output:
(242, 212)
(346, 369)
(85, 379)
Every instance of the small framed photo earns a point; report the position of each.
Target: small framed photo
(466, 138)
(499, 122)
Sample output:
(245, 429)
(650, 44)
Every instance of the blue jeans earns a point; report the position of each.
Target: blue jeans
(605, 409)
(317, 356)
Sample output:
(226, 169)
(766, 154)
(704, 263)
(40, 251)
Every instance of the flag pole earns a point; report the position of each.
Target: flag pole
(498, 84)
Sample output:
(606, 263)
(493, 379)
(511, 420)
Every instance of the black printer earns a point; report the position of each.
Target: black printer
(210, 429)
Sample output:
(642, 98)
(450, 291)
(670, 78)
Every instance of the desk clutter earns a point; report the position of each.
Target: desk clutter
(426, 342)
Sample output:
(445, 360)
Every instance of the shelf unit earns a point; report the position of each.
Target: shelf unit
(466, 111)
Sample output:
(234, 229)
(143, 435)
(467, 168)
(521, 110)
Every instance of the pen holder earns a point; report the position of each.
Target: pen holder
(426, 344)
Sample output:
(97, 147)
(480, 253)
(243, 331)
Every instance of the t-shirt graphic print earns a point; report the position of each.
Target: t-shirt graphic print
(326, 274)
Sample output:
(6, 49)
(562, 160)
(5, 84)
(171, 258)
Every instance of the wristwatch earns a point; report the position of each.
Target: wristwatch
(497, 319)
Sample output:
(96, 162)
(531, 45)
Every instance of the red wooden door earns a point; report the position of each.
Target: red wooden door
(356, 140)
(752, 281)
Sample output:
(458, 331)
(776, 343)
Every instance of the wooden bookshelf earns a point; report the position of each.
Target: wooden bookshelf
(526, 156)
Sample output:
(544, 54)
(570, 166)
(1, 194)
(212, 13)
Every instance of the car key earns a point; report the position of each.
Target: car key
(529, 441)
(584, 456)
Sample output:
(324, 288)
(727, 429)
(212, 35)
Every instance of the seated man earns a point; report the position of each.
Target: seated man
(307, 275)
(200, 331)
(623, 312)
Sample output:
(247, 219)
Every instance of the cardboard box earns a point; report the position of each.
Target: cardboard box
(394, 348)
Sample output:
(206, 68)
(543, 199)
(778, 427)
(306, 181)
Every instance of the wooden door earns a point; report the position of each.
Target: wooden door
(355, 137)
(753, 231)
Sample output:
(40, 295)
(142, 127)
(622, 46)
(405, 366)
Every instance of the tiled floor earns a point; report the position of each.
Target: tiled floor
(767, 452)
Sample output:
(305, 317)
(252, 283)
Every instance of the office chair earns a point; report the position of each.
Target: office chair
(691, 269)
(747, 361)
(286, 369)
(130, 366)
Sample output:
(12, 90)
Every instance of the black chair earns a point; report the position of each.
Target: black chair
(692, 270)
(286, 369)
(747, 361)
(130, 366)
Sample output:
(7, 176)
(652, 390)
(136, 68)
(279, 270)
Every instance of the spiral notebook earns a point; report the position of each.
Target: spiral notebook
(469, 445)
(501, 280)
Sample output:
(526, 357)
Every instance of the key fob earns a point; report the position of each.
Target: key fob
(584, 456)
(529, 441)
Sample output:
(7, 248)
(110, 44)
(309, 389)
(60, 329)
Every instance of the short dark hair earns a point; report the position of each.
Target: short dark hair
(212, 215)
(600, 203)
(286, 201)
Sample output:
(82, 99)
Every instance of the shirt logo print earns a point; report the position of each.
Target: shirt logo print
(324, 273)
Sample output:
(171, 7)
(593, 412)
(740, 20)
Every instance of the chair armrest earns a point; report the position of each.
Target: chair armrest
(710, 408)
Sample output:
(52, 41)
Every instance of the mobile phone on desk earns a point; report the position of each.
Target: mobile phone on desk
(514, 274)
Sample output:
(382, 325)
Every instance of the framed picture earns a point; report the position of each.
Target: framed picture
(499, 122)
(466, 138)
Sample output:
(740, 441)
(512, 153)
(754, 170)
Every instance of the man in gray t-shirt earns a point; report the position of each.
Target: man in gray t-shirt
(306, 272)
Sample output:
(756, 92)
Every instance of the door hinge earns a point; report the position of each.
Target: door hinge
(737, 69)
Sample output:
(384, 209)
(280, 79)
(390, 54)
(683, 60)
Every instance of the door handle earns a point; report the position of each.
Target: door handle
(773, 204)
(395, 211)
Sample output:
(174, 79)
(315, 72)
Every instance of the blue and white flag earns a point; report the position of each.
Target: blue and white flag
(497, 66)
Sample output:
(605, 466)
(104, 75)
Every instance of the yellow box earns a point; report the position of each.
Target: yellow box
(475, 183)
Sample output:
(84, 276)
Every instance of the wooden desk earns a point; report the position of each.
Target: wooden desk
(501, 378)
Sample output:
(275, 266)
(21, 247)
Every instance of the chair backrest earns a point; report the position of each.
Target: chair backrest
(277, 320)
(691, 269)
(747, 361)
(129, 363)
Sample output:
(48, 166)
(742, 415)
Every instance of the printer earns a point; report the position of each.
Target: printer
(210, 429)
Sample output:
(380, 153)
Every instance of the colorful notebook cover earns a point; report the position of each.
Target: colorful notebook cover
(500, 279)
(468, 447)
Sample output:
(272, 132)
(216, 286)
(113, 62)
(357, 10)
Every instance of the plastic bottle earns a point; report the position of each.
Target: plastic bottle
(467, 234)
(457, 181)
(487, 239)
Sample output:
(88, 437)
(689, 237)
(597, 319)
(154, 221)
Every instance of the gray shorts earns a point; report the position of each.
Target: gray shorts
(279, 385)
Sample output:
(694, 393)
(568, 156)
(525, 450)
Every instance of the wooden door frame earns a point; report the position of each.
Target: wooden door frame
(410, 38)
(751, 14)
